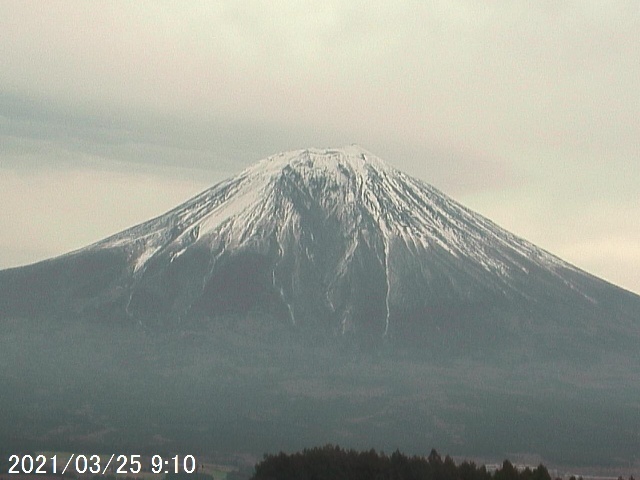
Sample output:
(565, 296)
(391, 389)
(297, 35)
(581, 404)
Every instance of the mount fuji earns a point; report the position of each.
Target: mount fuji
(320, 296)
(334, 240)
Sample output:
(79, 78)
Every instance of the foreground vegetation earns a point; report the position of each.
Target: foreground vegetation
(333, 463)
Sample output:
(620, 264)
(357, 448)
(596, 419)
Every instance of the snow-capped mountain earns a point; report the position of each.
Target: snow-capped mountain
(332, 239)
(318, 296)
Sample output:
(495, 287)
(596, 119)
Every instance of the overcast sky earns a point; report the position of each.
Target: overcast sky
(527, 112)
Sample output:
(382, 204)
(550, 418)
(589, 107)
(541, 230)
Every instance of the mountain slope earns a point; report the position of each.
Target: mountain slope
(334, 240)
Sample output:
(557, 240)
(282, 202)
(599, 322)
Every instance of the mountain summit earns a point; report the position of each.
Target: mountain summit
(334, 240)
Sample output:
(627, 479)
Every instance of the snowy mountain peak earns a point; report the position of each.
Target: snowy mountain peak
(333, 233)
(352, 155)
(331, 177)
(336, 162)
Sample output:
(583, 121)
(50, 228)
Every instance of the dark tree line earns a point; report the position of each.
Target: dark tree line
(333, 463)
